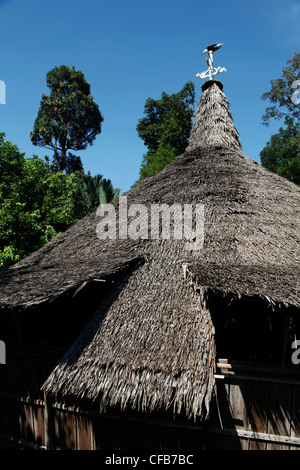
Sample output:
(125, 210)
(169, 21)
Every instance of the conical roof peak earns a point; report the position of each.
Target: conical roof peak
(213, 123)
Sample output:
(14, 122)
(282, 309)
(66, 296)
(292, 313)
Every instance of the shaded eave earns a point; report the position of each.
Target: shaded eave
(248, 282)
(19, 290)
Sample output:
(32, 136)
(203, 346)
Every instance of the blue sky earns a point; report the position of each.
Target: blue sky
(130, 50)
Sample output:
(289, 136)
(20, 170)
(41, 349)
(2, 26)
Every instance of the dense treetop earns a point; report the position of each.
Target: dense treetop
(68, 119)
(282, 153)
(166, 128)
(280, 94)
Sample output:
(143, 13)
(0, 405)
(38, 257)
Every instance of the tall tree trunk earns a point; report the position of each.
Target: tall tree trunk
(62, 159)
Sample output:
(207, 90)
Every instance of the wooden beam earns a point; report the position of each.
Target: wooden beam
(261, 369)
(257, 378)
(49, 422)
(294, 441)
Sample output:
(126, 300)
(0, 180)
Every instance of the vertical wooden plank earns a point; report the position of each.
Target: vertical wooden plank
(58, 439)
(84, 432)
(220, 415)
(295, 415)
(259, 412)
(280, 413)
(17, 408)
(26, 422)
(239, 398)
(39, 425)
(239, 395)
(65, 430)
(223, 403)
(49, 423)
(68, 430)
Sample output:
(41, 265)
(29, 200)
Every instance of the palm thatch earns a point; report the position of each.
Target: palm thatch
(213, 123)
(138, 350)
(150, 343)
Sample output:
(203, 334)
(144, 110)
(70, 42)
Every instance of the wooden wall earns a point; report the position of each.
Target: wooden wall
(27, 419)
(21, 401)
(253, 409)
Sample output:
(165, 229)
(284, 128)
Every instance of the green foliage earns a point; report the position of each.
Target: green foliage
(154, 162)
(166, 128)
(68, 119)
(281, 92)
(9, 255)
(64, 200)
(32, 185)
(11, 166)
(99, 190)
(92, 188)
(107, 192)
(20, 229)
(282, 154)
(36, 203)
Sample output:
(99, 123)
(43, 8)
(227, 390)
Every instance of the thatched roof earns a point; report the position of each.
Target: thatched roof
(150, 343)
(213, 124)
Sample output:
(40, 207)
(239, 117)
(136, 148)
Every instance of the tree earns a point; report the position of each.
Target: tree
(166, 128)
(18, 225)
(107, 192)
(154, 162)
(282, 154)
(92, 189)
(11, 166)
(20, 230)
(99, 191)
(68, 119)
(281, 93)
(36, 203)
(64, 201)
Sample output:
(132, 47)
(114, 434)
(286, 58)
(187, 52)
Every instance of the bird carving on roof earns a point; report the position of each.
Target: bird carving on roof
(213, 47)
(210, 62)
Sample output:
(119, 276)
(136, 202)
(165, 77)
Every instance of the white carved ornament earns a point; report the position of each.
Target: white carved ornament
(212, 71)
